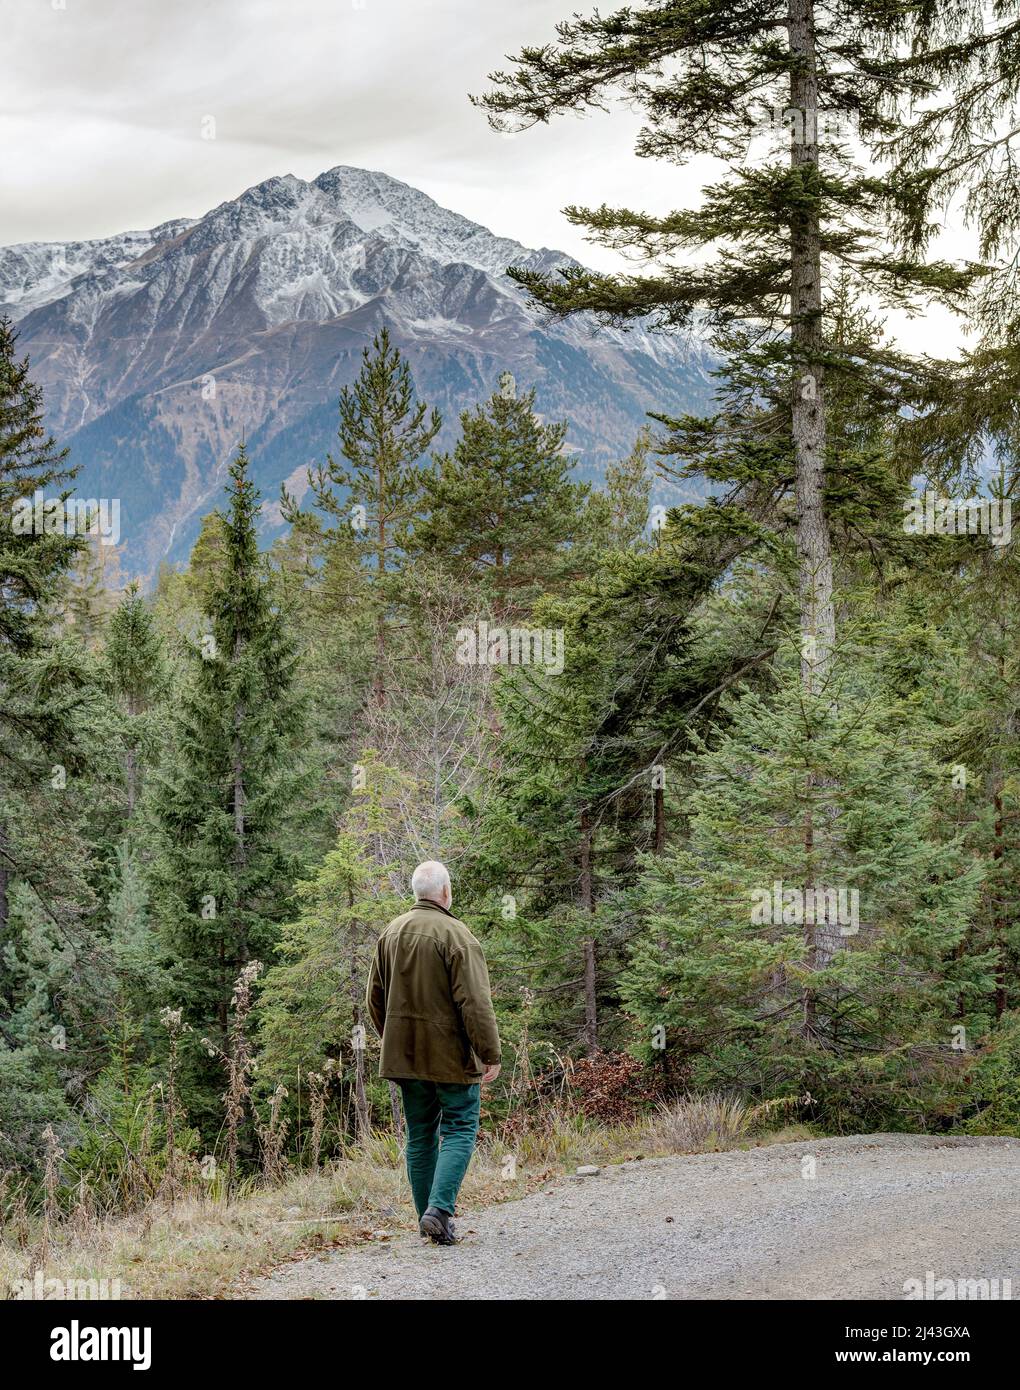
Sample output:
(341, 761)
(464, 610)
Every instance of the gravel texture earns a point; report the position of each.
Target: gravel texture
(879, 1210)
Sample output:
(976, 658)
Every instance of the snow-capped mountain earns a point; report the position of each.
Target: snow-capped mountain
(157, 349)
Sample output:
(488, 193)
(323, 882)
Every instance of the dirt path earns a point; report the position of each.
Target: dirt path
(879, 1210)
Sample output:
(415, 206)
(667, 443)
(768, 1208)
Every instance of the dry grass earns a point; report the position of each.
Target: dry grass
(698, 1123)
(201, 1247)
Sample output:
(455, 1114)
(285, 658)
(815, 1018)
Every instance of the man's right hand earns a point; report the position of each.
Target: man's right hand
(490, 1073)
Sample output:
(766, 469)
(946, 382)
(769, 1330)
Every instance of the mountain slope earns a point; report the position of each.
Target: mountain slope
(157, 349)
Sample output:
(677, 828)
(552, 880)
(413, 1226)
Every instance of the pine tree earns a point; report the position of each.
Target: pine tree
(384, 431)
(226, 800)
(501, 509)
(35, 557)
(711, 79)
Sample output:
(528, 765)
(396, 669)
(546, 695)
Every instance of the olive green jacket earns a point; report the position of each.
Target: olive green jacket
(428, 997)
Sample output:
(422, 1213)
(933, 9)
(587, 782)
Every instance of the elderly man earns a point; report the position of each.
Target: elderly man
(428, 996)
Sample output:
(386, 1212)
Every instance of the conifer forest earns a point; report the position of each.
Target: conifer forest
(710, 708)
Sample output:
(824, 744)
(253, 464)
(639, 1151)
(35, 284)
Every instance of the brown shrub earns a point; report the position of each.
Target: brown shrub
(609, 1087)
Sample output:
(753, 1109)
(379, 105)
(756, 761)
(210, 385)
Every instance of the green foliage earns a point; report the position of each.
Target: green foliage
(120, 1150)
(227, 799)
(312, 1000)
(31, 1097)
(736, 981)
(501, 509)
(383, 432)
(993, 1082)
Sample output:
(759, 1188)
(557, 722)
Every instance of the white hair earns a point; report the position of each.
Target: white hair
(430, 880)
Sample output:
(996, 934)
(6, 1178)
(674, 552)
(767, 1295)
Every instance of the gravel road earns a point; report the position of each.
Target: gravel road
(879, 1210)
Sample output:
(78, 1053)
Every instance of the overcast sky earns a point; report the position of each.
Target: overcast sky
(103, 105)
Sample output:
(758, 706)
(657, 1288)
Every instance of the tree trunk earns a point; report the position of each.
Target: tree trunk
(1000, 919)
(817, 617)
(810, 929)
(814, 553)
(378, 683)
(360, 1098)
(591, 1036)
(131, 771)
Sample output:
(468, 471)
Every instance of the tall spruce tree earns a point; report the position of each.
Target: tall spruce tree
(758, 261)
(42, 683)
(226, 799)
(52, 967)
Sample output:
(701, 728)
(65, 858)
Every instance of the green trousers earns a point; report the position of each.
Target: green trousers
(442, 1124)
